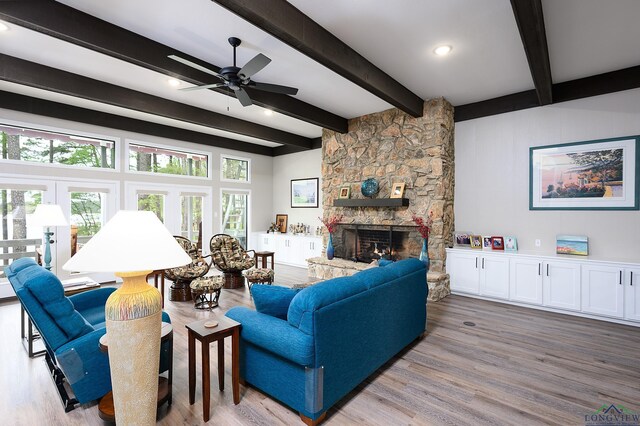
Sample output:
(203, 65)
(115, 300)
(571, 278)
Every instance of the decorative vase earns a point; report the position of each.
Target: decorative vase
(424, 253)
(330, 248)
(369, 187)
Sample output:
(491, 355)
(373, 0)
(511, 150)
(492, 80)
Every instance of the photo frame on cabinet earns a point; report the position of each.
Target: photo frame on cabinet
(497, 243)
(397, 190)
(304, 193)
(600, 174)
(510, 244)
(461, 238)
(486, 243)
(476, 242)
(281, 222)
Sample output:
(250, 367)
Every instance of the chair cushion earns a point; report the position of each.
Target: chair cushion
(47, 289)
(207, 283)
(227, 253)
(273, 300)
(259, 274)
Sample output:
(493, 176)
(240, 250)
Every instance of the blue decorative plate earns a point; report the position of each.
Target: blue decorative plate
(369, 187)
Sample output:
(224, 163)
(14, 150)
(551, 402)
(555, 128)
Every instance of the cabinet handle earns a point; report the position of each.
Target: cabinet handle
(620, 277)
(483, 263)
(539, 268)
(631, 278)
(547, 269)
(476, 263)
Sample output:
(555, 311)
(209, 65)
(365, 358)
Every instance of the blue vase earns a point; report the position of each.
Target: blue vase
(369, 187)
(330, 248)
(424, 253)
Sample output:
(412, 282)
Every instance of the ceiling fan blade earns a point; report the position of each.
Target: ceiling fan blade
(254, 65)
(243, 97)
(194, 65)
(206, 86)
(275, 88)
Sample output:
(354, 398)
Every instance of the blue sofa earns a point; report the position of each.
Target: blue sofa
(70, 328)
(336, 334)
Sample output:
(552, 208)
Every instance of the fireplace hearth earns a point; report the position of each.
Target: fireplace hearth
(365, 243)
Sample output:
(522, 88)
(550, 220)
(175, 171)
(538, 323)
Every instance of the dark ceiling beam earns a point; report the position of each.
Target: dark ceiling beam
(528, 14)
(285, 22)
(73, 26)
(31, 74)
(601, 84)
(30, 105)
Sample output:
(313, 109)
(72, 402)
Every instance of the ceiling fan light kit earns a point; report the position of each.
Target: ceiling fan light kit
(236, 78)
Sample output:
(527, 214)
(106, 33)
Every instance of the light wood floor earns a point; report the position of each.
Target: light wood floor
(516, 366)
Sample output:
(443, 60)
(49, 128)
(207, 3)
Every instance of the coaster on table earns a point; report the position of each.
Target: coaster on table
(211, 324)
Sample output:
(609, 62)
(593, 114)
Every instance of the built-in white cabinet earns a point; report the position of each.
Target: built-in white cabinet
(291, 249)
(561, 285)
(603, 290)
(583, 286)
(632, 294)
(494, 276)
(525, 281)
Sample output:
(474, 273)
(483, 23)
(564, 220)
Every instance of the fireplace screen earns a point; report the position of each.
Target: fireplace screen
(365, 243)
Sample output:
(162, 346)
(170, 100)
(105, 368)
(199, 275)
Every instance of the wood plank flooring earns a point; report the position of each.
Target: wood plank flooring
(516, 366)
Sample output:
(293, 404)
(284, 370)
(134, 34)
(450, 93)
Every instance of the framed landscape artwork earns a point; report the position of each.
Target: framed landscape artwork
(304, 192)
(592, 175)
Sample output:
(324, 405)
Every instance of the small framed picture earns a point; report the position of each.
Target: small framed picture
(345, 192)
(462, 238)
(510, 244)
(281, 222)
(486, 243)
(397, 190)
(497, 243)
(476, 241)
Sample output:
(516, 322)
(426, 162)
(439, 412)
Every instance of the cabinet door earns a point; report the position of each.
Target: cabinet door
(603, 290)
(561, 285)
(494, 276)
(311, 247)
(526, 280)
(463, 272)
(632, 295)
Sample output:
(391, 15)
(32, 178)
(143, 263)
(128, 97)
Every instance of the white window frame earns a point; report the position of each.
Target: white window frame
(247, 192)
(127, 165)
(116, 143)
(235, 157)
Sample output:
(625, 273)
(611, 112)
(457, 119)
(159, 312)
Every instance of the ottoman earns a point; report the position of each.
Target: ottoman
(259, 276)
(205, 291)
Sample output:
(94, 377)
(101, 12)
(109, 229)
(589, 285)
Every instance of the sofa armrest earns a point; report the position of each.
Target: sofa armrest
(91, 298)
(274, 334)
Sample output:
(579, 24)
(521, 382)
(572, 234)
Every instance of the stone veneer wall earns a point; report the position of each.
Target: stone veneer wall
(392, 146)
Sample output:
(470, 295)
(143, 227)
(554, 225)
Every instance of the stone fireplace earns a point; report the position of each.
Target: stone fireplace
(392, 147)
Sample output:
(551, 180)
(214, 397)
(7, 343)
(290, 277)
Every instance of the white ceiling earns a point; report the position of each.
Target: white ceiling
(585, 37)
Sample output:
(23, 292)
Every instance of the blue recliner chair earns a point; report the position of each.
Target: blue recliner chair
(70, 328)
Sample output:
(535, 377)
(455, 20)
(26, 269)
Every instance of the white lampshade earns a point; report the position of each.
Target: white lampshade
(130, 241)
(49, 215)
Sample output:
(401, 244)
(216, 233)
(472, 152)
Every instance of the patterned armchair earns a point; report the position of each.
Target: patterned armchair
(228, 255)
(183, 275)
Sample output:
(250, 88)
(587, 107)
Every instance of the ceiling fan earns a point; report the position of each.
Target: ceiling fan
(236, 79)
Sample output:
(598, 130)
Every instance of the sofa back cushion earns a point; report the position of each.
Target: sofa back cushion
(272, 299)
(48, 291)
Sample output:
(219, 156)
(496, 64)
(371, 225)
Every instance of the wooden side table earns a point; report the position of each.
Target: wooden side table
(106, 409)
(226, 327)
(158, 274)
(262, 256)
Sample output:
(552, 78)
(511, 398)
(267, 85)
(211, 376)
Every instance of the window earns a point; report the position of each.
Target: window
(153, 203)
(87, 217)
(46, 147)
(235, 169)
(156, 159)
(191, 213)
(234, 215)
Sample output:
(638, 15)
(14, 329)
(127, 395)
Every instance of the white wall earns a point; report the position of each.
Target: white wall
(300, 165)
(261, 168)
(492, 174)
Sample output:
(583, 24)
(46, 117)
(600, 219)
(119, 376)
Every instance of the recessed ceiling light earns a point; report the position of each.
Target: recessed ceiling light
(442, 50)
(173, 82)
(3, 27)
(268, 112)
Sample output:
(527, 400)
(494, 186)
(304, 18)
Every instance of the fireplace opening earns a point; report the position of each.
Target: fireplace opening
(365, 243)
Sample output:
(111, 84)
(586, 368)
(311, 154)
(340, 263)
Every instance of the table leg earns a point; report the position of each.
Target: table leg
(221, 364)
(192, 368)
(235, 364)
(162, 285)
(273, 262)
(206, 381)
(264, 261)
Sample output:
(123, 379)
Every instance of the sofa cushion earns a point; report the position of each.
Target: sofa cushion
(272, 299)
(385, 262)
(47, 289)
(318, 296)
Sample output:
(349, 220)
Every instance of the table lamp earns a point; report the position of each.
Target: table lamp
(48, 215)
(131, 245)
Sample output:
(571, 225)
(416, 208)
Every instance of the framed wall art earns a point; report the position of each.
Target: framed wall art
(593, 175)
(397, 190)
(345, 192)
(304, 193)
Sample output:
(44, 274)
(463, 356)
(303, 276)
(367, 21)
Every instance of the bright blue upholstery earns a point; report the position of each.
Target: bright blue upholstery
(337, 333)
(272, 299)
(70, 327)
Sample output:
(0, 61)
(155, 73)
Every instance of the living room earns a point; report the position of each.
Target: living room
(90, 123)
